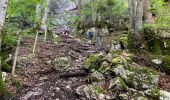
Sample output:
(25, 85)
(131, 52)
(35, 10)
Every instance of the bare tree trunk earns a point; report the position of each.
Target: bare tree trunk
(44, 22)
(3, 9)
(132, 13)
(135, 14)
(139, 16)
(38, 12)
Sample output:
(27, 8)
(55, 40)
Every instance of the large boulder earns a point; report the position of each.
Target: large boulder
(93, 62)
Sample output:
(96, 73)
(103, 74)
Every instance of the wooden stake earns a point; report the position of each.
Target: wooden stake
(35, 42)
(45, 35)
(15, 55)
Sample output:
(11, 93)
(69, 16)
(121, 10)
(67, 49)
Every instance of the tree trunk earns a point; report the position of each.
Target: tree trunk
(136, 14)
(38, 12)
(139, 16)
(79, 6)
(169, 5)
(3, 9)
(45, 18)
(132, 13)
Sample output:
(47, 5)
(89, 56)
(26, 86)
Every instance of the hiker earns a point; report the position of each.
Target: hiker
(66, 30)
(89, 36)
(99, 39)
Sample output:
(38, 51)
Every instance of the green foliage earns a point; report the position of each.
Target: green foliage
(100, 12)
(160, 9)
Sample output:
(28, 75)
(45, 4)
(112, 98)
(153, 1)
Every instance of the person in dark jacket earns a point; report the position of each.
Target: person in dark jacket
(89, 36)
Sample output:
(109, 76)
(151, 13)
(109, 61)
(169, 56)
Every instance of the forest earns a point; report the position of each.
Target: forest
(84, 49)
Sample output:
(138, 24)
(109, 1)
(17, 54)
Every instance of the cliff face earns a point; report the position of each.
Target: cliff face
(63, 11)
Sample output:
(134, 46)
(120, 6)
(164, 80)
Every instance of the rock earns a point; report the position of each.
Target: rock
(164, 95)
(24, 62)
(90, 92)
(153, 93)
(143, 78)
(101, 96)
(4, 75)
(115, 46)
(97, 76)
(122, 72)
(142, 98)
(117, 84)
(93, 62)
(105, 67)
(123, 41)
(43, 78)
(123, 96)
(61, 63)
(157, 61)
(31, 94)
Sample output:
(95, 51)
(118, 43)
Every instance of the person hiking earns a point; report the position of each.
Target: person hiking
(89, 36)
(99, 39)
(66, 30)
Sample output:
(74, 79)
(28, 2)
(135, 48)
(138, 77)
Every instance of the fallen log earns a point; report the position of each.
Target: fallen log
(82, 72)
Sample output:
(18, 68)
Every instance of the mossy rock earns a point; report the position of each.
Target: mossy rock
(123, 41)
(93, 62)
(117, 84)
(143, 78)
(153, 94)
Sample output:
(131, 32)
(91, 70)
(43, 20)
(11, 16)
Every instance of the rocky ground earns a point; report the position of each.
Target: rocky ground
(58, 72)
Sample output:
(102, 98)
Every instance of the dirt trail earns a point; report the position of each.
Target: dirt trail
(40, 80)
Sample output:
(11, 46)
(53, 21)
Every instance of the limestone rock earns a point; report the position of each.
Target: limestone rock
(157, 61)
(4, 75)
(164, 95)
(93, 62)
(61, 63)
(117, 84)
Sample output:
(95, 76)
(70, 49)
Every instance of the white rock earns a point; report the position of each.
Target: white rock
(164, 95)
(101, 96)
(156, 61)
(4, 75)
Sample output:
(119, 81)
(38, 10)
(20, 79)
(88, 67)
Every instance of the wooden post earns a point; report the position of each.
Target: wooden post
(35, 42)
(15, 55)
(45, 35)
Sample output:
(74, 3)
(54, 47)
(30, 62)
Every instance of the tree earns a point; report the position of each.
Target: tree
(3, 9)
(45, 18)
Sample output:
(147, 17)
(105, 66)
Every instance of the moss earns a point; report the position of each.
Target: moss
(6, 67)
(153, 43)
(122, 83)
(123, 41)
(155, 94)
(166, 64)
(116, 60)
(99, 90)
(93, 62)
